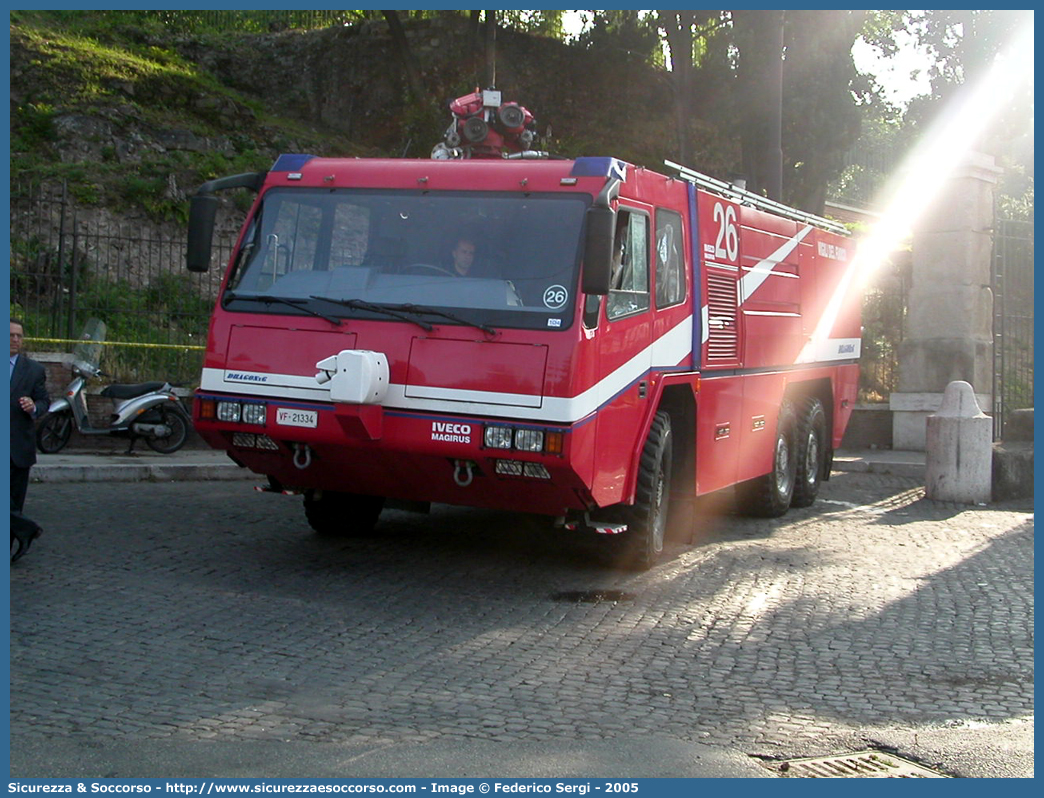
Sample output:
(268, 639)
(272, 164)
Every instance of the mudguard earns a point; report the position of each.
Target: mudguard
(58, 405)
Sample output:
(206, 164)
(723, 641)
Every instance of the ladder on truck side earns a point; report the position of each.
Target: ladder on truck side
(744, 197)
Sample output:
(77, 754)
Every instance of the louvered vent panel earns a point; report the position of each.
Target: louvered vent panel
(723, 334)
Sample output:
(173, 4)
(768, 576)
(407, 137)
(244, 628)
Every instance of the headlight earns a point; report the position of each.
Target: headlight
(253, 414)
(228, 411)
(529, 440)
(497, 437)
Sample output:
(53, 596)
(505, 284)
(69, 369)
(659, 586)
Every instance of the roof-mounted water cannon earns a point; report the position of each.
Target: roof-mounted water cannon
(484, 126)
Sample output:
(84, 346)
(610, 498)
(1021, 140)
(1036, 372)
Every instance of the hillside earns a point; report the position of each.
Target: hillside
(129, 121)
(134, 116)
(115, 119)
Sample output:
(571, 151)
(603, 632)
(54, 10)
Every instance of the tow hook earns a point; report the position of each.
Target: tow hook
(588, 524)
(302, 456)
(467, 467)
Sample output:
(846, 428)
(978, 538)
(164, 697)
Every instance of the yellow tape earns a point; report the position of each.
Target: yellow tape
(114, 343)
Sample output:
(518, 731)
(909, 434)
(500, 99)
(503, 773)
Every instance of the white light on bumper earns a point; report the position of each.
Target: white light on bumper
(228, 411)
(254, 413)
(529, 440)
(497, 437)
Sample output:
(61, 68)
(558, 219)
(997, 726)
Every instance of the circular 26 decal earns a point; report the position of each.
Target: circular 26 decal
(555, 297)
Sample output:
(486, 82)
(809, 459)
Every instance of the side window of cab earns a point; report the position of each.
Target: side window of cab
(629, 286)
(670, 263)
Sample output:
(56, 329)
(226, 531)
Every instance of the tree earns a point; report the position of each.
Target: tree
(759, 38)
(626, 31)
(964, 44)
(678, 27)
(404, 53)
(782, 84)
(538, 23)
(960, 46)
(826, 101)
(489, 48)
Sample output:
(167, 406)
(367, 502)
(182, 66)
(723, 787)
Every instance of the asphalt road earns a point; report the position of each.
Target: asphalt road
(200, 629)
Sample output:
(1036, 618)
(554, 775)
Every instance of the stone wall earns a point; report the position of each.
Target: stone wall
(948, 333)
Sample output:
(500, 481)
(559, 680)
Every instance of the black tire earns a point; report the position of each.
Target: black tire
(769, 496)
(342, 514)
(811, 454)
(647, 518)
(178, 427)
(54, 431)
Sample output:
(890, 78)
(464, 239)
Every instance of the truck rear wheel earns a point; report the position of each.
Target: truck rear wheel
(769, 496)
(342, 514)
(811, 454)
(647, 518)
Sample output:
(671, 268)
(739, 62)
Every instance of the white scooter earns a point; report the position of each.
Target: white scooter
(148, 410)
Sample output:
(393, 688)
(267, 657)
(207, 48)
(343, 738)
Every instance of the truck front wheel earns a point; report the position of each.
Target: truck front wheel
(647, 518)
(342, 514)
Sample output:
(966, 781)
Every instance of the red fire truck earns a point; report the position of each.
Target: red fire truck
(585, 339)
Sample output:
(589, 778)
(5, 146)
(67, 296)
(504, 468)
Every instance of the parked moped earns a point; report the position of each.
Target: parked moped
(148, 410)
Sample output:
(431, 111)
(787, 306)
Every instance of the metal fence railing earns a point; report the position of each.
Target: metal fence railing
(1012, 286)
(884, 314)
(69, 265)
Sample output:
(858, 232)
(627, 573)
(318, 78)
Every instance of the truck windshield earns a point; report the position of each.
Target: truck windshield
(507, 260)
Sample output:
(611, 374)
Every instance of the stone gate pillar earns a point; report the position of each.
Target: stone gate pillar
(948, 334)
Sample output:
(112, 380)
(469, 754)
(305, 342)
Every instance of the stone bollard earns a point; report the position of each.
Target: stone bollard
(959, 449)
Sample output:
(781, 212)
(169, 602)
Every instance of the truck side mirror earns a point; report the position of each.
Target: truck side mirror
(203, 207)
(598, 250)
(202, 214)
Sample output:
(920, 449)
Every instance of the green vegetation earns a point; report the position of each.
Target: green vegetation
(105, 76)
(167, 312)
(36, 128)
(171, 312)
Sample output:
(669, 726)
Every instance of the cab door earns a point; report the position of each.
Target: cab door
(623, 344)
(719, 417)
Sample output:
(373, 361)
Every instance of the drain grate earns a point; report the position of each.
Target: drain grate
(592, 596)
(858, 765)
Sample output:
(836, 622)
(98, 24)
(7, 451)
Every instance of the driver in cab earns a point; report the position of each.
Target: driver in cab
(463, 256)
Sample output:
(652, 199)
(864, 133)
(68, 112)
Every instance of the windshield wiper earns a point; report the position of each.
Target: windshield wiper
(361, 304)
(408, 307)
(268, 299)
(423, 309)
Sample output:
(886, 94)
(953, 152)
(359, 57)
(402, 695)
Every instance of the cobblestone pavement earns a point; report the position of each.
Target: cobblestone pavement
(194, 611)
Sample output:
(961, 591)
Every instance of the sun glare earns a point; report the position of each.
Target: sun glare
(942, 150)
(922, 177)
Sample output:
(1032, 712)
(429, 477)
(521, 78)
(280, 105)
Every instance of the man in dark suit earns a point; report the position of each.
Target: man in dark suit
(28, 402)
